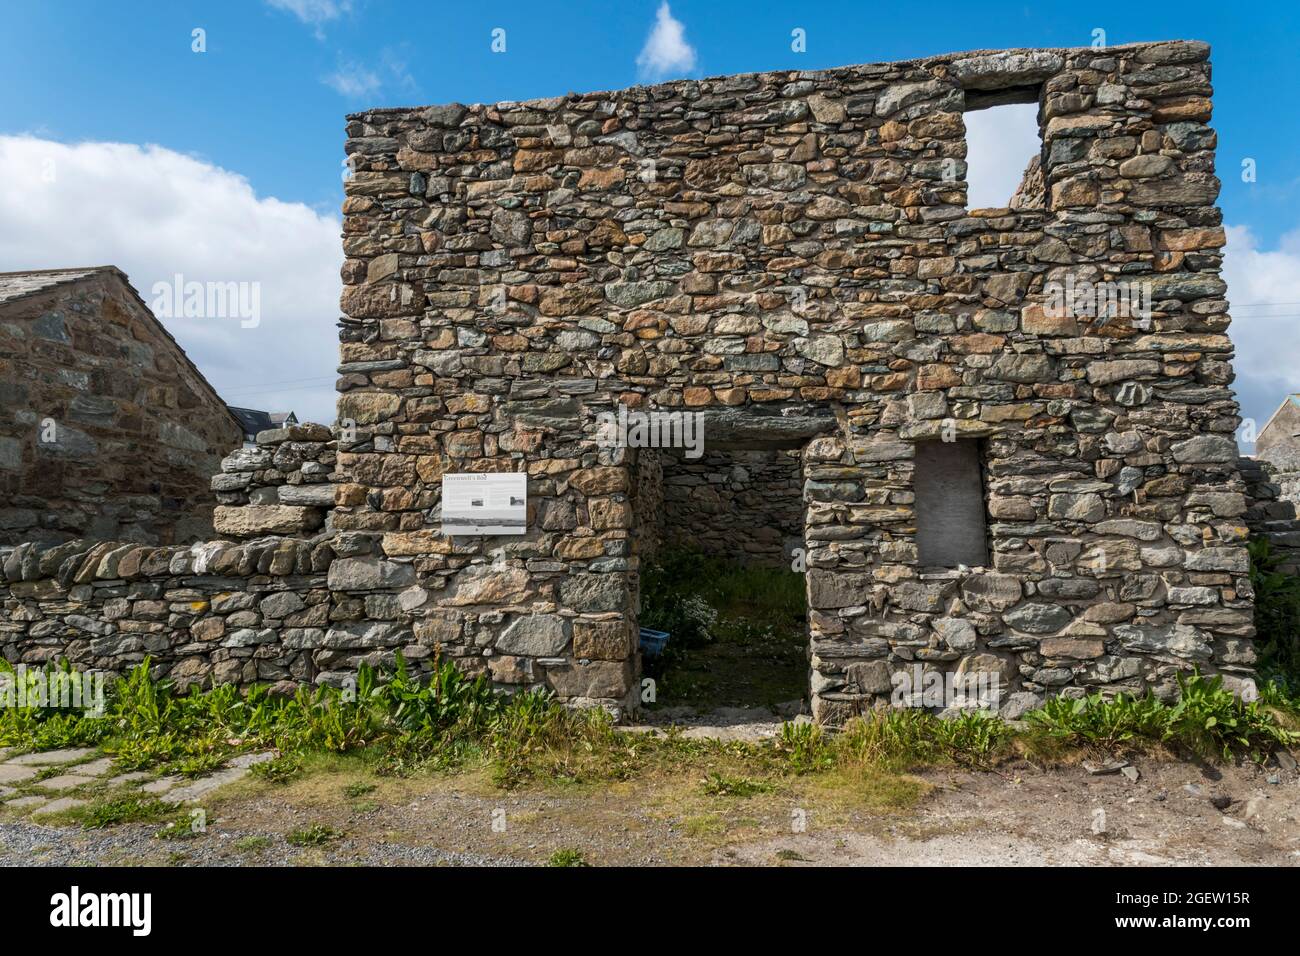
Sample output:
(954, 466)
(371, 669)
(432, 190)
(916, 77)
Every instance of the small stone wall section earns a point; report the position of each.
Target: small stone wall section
(744, 505)
(1271, 494)
(284, 484)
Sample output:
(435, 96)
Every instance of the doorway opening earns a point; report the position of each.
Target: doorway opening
(717, 538)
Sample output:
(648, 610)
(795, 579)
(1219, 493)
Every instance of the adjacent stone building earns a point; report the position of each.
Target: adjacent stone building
(993, 477)
(107, 430)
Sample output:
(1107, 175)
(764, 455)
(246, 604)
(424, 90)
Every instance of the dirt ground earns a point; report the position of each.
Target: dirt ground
(1174, 813)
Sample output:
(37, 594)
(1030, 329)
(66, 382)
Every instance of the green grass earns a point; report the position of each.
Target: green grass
(725, 785)
(738, 631)
(253, 844)
(567, 857)
(279, 769)
(318, 834)
(106, 813)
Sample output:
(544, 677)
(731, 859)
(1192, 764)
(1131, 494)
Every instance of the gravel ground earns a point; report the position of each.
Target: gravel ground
(1174, 813)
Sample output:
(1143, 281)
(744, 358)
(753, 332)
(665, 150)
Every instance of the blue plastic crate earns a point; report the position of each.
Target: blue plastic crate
(653, 642)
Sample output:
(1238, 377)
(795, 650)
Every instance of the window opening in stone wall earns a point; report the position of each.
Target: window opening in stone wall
(1003, 149)
(717, 538)
(950, 508)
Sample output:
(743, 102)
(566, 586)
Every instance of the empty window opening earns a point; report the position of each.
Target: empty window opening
(950, 508)
(715, 539)
(1003, 148)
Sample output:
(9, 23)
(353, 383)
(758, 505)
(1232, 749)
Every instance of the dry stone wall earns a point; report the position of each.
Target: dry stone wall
(790, 246)
(745, 504)
(790, 255)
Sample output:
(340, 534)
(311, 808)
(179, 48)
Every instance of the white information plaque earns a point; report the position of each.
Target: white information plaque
(488, 503)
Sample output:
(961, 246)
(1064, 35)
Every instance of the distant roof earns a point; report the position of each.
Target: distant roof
(19, 285)
(254, 420)
(15, 285)
(1292, 399)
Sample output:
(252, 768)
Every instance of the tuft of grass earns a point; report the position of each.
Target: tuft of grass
(567, 857)
(705, 826)
(279, 769)
(805, 748)
(902, 739)
(726, 785)
(253, 844)
(354, 790)
(107, 813)
(318, 834)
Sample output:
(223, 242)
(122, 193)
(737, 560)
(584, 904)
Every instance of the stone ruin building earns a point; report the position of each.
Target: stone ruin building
(107, 430)
(976, 479)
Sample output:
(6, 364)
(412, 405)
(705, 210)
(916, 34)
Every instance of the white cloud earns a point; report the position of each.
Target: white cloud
(1264, 293)
(353, 80)
(666, 50)
(153, 213)
(1000, 141)
(313, 12)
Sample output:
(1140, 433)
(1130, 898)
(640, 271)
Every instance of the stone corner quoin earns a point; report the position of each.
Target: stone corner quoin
(771, 250)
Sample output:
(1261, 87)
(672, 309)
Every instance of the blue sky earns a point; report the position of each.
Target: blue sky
(266, 101)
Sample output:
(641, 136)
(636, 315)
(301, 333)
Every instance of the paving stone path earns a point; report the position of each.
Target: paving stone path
(79, 773)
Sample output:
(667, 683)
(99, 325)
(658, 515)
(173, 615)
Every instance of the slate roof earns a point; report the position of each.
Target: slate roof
(15, 285)
(253, 420)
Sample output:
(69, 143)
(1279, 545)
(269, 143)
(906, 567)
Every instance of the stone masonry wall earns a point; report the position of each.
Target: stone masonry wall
(284, 484)
(789, 254)
(106, 429)
(1272, 510)
(798, 244)
(742, 504)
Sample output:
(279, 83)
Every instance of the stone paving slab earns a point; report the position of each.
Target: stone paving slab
(162, 784)
(124, 778)
(9, 773)
(64, 781)
(96, 768)
(236, 769)
(50, 757)
(22, 803)
(59, 805)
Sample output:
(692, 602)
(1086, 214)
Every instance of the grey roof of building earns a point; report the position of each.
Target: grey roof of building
(16, 285)
(254, 420)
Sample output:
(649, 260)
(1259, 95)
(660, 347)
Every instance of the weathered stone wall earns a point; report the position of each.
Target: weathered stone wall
(742, 504)
(1271, 497)
(284, 484)
(761, 242)
(789, 254)
(278, 610)
(106, 429)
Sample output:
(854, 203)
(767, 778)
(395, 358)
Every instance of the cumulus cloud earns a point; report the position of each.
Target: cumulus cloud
(1000, 141)
(1264, 292)
(314, 13)
(666, 51)
(355, 80)
(155, 214)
